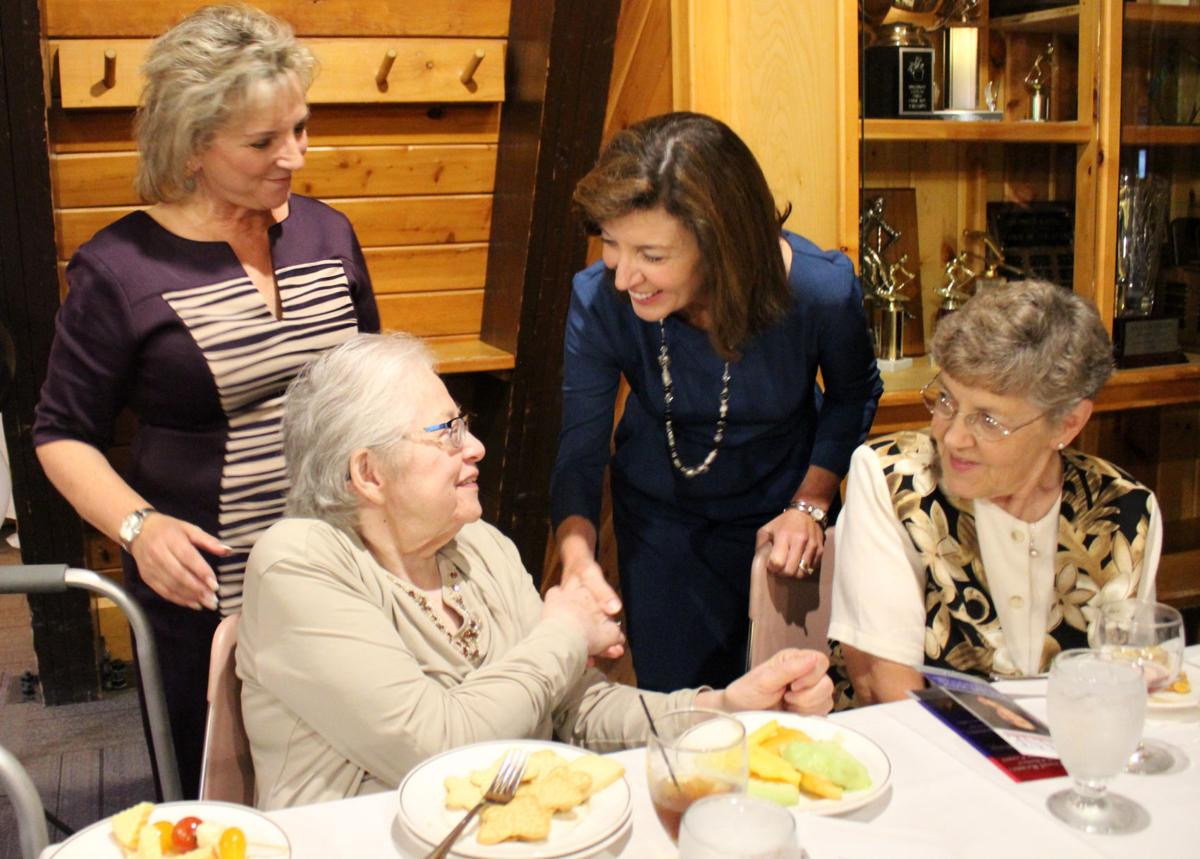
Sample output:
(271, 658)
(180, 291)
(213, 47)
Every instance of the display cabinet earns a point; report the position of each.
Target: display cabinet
(1026, 178)
(979, 162)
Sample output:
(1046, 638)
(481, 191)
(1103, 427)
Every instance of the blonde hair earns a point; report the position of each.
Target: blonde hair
(1028, 338)
(199, 75)
(354, 396)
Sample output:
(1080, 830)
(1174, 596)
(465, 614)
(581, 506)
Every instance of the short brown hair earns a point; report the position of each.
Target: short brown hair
(198, 75)
(1028, 338)
(699, 171)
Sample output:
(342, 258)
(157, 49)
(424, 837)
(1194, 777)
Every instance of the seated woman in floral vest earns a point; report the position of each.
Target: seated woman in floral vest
(985, 544)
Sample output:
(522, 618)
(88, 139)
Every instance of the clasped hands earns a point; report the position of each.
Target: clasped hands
(792, 679)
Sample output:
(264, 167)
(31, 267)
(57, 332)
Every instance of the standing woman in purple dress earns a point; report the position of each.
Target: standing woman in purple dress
(196, 313)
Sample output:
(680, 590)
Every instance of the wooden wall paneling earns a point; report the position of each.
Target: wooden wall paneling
(106, 178)
(640, 85)
(849, 126)
(701, 56)
(432, 313)
(377, 220)
(308, 18)
(561, 62)
(424, 268)
(63, 635)
(329, 125)
(418, 220)
(424, 70)
(729, 67)
(784, 94)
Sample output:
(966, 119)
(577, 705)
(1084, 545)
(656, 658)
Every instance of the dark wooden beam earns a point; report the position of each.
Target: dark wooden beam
(560, 55)
(63, 635)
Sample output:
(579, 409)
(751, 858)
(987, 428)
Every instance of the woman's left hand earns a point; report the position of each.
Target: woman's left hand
(792, 679)
(797, 543)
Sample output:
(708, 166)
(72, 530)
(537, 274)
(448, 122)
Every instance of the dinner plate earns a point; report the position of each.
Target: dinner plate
(264, 839)
(1178, 700)
(423, 808)
(879, 768)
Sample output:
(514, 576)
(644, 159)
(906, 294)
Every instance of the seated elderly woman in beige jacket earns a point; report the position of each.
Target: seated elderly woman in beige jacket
(383, 622)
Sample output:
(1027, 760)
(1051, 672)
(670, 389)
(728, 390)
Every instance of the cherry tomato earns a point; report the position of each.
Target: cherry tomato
(232, 844)
(165, 841)
(184, 833)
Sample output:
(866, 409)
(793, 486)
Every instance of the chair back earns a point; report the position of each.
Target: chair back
(227, 769)
(786, 611)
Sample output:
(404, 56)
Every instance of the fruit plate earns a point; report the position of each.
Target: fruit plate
(879, 768)
(264, 838)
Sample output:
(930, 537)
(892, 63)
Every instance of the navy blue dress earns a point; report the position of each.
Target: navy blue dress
(685, 545)
(175, 330)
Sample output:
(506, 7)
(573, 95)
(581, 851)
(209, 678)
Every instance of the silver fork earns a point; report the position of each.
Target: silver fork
(500, 791)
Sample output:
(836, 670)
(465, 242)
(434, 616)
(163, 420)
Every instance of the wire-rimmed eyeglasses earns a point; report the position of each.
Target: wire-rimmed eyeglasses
(983, 426)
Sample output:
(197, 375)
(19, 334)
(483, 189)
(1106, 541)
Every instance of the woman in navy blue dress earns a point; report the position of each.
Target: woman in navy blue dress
(720, 321)
(196, 313)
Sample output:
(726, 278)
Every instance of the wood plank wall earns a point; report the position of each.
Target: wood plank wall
(411, 163)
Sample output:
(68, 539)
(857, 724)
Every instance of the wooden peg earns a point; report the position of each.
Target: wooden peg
(110, 68)
(385, 68)
(469, 72)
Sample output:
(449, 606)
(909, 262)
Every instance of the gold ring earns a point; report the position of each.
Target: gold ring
(805, 568)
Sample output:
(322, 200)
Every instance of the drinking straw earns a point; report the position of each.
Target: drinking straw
(661, 750)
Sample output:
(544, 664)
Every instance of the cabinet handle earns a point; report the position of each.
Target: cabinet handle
(110, 68)
(385, 68)
(468, 73)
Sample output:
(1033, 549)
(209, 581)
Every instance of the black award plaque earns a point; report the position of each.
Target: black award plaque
(898, 81)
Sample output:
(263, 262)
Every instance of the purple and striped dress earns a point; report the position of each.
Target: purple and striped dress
(175, 330)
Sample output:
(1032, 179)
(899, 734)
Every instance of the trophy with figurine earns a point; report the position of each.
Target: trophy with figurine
(1038, 80)
(953, 292)
(883, 285)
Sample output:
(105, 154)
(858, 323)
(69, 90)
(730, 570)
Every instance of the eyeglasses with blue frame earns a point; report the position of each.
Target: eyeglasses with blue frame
(456, 430)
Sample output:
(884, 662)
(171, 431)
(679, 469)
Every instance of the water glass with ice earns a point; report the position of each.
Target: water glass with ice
(1095, 706)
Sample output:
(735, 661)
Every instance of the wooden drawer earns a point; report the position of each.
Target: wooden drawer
(423, 70)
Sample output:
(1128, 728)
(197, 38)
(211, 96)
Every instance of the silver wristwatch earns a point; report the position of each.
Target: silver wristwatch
(131, 526)
(818, 515)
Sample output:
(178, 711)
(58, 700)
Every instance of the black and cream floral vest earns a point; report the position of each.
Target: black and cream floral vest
(1102, 525)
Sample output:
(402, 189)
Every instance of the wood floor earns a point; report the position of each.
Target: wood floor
(87, 760)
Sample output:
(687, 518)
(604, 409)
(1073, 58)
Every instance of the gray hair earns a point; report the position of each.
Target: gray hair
(351, 397)
(198, 75)
(1028, 338)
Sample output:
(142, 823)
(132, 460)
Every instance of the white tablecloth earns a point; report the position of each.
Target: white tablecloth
(945, 800)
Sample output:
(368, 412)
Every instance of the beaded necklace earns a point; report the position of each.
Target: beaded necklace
(466, 639)
(664, 361)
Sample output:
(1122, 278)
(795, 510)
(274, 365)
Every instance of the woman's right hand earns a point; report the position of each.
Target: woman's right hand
(574, 604)
(168, 560)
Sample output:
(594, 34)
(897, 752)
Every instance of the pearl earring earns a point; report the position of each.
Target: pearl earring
(1061, 445)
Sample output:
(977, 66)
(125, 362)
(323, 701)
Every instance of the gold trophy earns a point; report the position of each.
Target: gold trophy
(953, 292)
(1037, 80)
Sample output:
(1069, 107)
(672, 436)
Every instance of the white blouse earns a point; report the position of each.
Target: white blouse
(879, 577)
